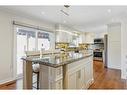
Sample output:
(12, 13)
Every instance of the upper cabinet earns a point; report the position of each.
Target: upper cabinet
(89, 38)
(99, 34)
(65, 34)
(61, 37)
(62, 34)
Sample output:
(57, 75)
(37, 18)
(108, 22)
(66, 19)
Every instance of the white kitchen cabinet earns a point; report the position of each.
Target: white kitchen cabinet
(72, 80)
(88, 74)
(79, 75)
(83, 38)
(51, 78)
(99, 34)
(56, 84)
(76, 79)
(63, 33)
(76, 75)
(80, 80)
(89, 37)
(61, 37)
(59, 84)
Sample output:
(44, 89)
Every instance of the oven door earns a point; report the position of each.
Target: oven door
(98, 55)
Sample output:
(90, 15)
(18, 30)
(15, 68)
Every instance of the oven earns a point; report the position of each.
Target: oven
(98, 55)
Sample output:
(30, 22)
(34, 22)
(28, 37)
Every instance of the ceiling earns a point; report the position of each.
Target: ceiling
(82, 18)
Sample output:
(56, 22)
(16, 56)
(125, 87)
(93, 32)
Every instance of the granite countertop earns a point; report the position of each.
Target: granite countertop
(56, 60)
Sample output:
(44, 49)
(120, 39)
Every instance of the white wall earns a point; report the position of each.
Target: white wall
(122, 46)
(7, 45)
(124, 50)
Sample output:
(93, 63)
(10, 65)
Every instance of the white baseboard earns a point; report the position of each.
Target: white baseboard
(111, 67)
(6, 80)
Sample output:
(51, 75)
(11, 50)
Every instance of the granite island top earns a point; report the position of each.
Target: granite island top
(56, 60)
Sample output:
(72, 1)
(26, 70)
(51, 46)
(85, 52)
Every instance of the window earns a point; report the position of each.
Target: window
(29, 39)
(25, 42)
(43, 40)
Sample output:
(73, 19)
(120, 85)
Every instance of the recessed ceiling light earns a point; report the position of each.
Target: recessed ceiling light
(43, 13)
(109, 10)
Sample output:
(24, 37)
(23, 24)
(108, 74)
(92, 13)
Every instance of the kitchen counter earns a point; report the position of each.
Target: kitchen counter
(57, 60)
(60, 71)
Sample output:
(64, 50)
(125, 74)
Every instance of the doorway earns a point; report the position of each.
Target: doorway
(25, 41)
(29, 39)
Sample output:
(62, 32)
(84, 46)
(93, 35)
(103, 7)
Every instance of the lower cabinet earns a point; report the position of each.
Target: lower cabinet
(56, 84)
(88, 74)
(79, 76)
(51, 78)
(76, 80)
(79, 79)
(72, 80)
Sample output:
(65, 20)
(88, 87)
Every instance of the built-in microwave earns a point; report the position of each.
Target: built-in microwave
(98, 40)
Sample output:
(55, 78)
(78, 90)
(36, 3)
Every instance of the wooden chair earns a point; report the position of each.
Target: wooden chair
(36, 66)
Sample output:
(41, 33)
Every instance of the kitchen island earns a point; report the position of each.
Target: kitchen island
(60, 71)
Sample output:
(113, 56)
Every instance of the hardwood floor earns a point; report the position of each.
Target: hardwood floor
(104, 78)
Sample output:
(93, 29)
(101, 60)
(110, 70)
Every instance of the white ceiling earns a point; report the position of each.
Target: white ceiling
(80, 17)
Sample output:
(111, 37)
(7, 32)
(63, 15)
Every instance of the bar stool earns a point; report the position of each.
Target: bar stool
(36, 68)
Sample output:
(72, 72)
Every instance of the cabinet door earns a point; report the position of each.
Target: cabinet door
(59, 84)
(88, 73)
(89, 38)
(72, 81)
(79, 79)
(76, 80)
